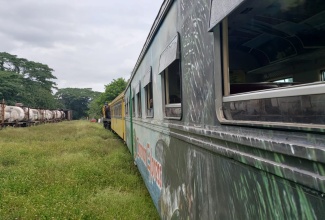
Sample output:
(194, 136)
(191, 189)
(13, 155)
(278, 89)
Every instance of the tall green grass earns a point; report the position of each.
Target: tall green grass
(69, 170)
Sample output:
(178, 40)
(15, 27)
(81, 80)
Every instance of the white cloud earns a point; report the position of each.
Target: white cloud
(88, 43)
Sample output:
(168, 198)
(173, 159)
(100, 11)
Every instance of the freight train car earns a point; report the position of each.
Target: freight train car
(22, 116)
(118, 115)
(225, 109)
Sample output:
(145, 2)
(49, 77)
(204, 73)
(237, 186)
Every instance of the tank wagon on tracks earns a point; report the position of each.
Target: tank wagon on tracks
(225, 110)
(22, 116)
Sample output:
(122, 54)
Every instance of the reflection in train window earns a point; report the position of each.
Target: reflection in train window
(286, 80)
(273, 54)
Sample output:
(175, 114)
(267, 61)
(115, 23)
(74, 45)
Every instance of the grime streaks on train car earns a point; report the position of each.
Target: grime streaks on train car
(225, 109)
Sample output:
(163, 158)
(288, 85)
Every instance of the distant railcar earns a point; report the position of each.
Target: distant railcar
(225, 110)
(22, 116)
(67, 114)
(118, 115)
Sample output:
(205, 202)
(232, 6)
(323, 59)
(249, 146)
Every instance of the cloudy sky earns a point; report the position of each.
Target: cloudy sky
(87, 42)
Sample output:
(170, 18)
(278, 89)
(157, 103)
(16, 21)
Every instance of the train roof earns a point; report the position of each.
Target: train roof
(154, 28)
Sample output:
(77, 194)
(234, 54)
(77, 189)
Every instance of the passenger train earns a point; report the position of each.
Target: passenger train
(224, 112)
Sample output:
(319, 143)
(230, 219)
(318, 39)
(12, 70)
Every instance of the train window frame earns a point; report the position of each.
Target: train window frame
(172, 100)
(169, 68)
(133, 103)
(322, 75)
(126, 106)
(139, 102)
(149, 101)
(148, 89)
(230, 101)
(117, 109)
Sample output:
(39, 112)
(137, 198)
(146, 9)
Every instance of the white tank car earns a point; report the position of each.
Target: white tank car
(62, 115)
(48, 115)
(57, 114)
(14, 113)
(34, 114)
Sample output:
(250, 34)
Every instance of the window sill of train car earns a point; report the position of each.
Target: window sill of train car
(149, 113)
(307, 127)
(173, 111)
(238, 109)
(294, 90)
(275, 125)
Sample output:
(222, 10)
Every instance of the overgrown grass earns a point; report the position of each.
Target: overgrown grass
(69, 170)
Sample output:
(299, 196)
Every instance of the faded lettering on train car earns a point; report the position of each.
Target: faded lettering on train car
(153, 166)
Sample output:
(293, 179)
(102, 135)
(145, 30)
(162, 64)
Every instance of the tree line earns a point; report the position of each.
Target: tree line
(32, 83)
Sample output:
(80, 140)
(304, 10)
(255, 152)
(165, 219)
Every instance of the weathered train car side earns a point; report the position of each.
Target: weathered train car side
(225, 110)
(118, 115)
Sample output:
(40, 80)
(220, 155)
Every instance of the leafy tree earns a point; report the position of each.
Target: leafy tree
(26, 81)
(112, 90)
(95, 108)
(10, 87)
(37, 96)
(77, 100)
(39, 73)
(8, 62)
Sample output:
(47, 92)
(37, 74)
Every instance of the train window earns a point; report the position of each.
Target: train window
(132, 103)
(322, 75)
(138, 94)
(133, 107)
(286, 80)
(139, 104)
(272, 53)
(119, 109)
(169, 68)
(126, 106)
(147, 84)
(149, 100)
(172, 91)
